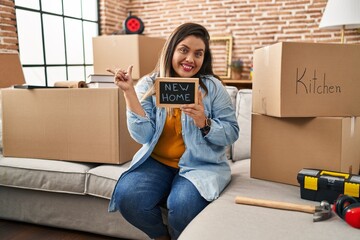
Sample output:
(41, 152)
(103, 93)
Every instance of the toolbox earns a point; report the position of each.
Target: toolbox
(320, 185)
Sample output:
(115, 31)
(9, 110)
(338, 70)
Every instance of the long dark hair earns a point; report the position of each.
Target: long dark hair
(164, 66)
(178, 35)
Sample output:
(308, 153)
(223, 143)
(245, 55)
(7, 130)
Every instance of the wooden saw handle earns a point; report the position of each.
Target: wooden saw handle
(275, 204)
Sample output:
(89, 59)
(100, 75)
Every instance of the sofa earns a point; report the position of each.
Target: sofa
(74, 195)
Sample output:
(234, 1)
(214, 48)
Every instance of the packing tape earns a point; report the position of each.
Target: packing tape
(267, 55)
(352, 126)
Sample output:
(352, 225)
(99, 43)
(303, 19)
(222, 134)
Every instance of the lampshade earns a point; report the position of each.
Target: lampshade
(343, 14)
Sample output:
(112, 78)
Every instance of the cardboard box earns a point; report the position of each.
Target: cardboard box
(307, 80)
(281, 147)
(10, 74)
(121, 51)
(10, 70)
(85, 125)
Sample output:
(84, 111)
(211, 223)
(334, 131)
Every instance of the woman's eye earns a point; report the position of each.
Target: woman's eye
(198, 54)
(183, 50)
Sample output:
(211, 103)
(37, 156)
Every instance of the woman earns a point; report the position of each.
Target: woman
(182, 164)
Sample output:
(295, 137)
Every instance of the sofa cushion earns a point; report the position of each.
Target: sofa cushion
(232, 91)
(241, 147)
(240, 221)
(44, 175)
(101, 180)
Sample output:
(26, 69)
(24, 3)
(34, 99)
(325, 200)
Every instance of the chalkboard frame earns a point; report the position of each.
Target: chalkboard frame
(160, 80)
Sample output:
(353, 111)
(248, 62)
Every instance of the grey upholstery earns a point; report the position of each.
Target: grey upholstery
(224, 219)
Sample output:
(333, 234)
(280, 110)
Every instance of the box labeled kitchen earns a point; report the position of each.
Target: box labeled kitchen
(307, 80)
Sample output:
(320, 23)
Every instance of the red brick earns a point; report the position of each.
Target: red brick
(252, 23)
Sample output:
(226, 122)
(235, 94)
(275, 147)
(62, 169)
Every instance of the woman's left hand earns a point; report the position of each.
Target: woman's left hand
(196, 111)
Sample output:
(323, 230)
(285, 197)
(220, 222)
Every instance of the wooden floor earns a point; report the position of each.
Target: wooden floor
(10, 230)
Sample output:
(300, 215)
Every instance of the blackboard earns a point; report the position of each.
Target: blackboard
(174, 92)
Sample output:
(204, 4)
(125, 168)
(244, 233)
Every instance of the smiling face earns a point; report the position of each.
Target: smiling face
(188, 56)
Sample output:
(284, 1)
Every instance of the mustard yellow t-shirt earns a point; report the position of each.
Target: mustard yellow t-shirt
(170, 146)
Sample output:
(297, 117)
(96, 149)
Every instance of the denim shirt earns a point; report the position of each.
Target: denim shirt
(204, 160)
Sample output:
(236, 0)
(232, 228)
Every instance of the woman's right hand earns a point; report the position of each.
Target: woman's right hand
(122, 78)
(124, 81)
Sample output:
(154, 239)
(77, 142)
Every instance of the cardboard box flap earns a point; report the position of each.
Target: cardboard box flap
(11, 72)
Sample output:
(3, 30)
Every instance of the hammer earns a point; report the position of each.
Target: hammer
(320, 213)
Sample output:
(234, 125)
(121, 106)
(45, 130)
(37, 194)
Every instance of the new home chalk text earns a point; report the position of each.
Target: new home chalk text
(173, 92)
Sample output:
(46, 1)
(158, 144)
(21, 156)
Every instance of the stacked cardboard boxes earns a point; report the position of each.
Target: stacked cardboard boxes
(71, 124)
(80, 124)
(9, 76)
(306, 108)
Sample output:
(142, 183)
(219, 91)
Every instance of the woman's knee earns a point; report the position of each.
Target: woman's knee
(185, 201)
(134, 199)
(183, 205)
(124, 197)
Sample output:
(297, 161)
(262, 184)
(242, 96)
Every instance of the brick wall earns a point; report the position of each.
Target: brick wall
(252, 23)
(112, 15)
(8, 35)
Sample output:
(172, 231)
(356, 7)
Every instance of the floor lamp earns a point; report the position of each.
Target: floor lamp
(341, 14)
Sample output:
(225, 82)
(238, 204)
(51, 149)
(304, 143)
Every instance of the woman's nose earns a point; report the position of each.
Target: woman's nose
(190, 58)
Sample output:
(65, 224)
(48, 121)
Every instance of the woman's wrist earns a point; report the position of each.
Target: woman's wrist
(206, 128)
(133, 103)
(203, 123)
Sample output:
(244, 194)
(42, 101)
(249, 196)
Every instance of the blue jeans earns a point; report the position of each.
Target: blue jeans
(140, 194)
